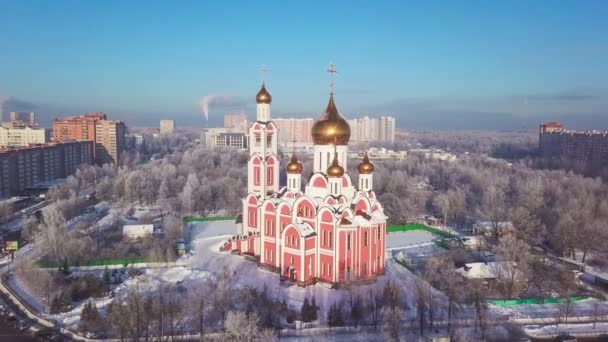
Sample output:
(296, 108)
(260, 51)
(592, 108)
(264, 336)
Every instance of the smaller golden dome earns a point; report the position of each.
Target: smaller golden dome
(294, 166)
(263, 95)
(365, 167)
(335, 170)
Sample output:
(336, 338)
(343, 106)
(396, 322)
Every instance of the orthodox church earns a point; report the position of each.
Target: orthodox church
(329, 231)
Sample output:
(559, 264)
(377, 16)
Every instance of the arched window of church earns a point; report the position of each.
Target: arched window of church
(256, 176)
(270, 176)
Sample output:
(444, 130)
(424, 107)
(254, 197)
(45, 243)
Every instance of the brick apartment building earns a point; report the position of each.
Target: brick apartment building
(25, 167)
(107, 135)
(587, 147)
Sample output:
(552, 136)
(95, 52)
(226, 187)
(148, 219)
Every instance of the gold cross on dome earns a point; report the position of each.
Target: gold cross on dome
(264, 69)
(331, 72)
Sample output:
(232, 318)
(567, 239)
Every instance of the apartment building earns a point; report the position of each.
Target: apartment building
(368, 129)
(108, 136)
(25, 167)
(110, 141)
(294, 130)
(22, 136)
(167, 126)
(587, 147)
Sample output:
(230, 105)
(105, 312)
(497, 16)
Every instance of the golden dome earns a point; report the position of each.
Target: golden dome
(335, 170)
(263, 95)
(365, 167)
(294, 166)
(331, 128)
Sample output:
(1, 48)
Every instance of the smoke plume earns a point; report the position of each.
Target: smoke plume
(227, 101)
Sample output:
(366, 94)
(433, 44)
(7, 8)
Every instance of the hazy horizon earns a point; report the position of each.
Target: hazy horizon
(480, 65)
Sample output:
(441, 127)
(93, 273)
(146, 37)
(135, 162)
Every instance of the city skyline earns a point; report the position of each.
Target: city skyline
(479, 65)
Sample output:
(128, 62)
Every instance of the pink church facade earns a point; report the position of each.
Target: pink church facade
(327, 231)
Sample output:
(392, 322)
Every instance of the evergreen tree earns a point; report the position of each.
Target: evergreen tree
(314, 309)
(61, 303)
(55, 305)
(305, 312)
(334, 316)
(65, 268)
(106, 276)
(357, 311)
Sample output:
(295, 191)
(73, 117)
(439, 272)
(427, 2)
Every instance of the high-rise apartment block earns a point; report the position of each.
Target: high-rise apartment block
(167, 126)
(22, 136)
(26, 167)
(236, 122)
(23, 119)
(77, 128)
(107, 135)
(110, 141)
(294, 130)
(368, 129)
(587, 147)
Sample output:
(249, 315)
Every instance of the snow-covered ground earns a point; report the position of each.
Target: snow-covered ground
(578, 330)
(583, 308)
(24, 292)
(409, 238)
(204, 258)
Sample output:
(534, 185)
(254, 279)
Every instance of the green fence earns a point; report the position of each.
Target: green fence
(98, 262)
(524, 301)
(417, 226)
(189, 219)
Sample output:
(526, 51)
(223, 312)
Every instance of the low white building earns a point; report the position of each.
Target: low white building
(134, 231)
(489, 270)
(490, 228)
(474, 243)
(433, 153)
(20, 137)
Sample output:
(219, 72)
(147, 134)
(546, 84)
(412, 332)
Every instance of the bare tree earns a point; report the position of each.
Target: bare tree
(440, 272)
(495, 206)
(476, 295)
(242, 328)
(423, 303)
(515, 267)
(375, 305)
(393, 323)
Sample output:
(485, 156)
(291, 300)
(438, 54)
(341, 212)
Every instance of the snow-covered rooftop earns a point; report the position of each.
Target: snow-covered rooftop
(305, 229)
(481, 270)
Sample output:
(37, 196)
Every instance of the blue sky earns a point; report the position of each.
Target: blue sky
(462, 64)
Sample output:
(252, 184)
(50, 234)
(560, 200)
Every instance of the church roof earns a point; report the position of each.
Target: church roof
(305, 229)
